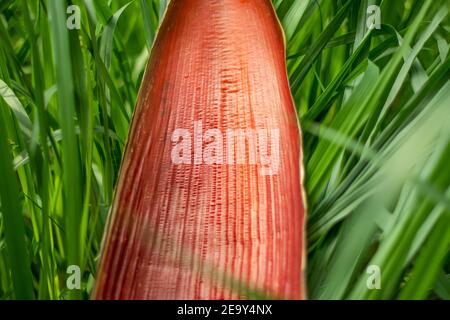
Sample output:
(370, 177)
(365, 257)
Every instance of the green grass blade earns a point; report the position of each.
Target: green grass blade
(11, 209)
(70, 153)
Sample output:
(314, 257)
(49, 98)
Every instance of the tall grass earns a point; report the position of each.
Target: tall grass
(375, 110)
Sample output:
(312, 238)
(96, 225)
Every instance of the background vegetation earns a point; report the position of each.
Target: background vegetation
(375, 111)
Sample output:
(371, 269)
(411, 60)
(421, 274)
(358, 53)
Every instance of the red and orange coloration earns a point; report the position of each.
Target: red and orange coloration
(219, 231)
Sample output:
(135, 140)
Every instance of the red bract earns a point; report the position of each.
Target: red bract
(204, 207)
